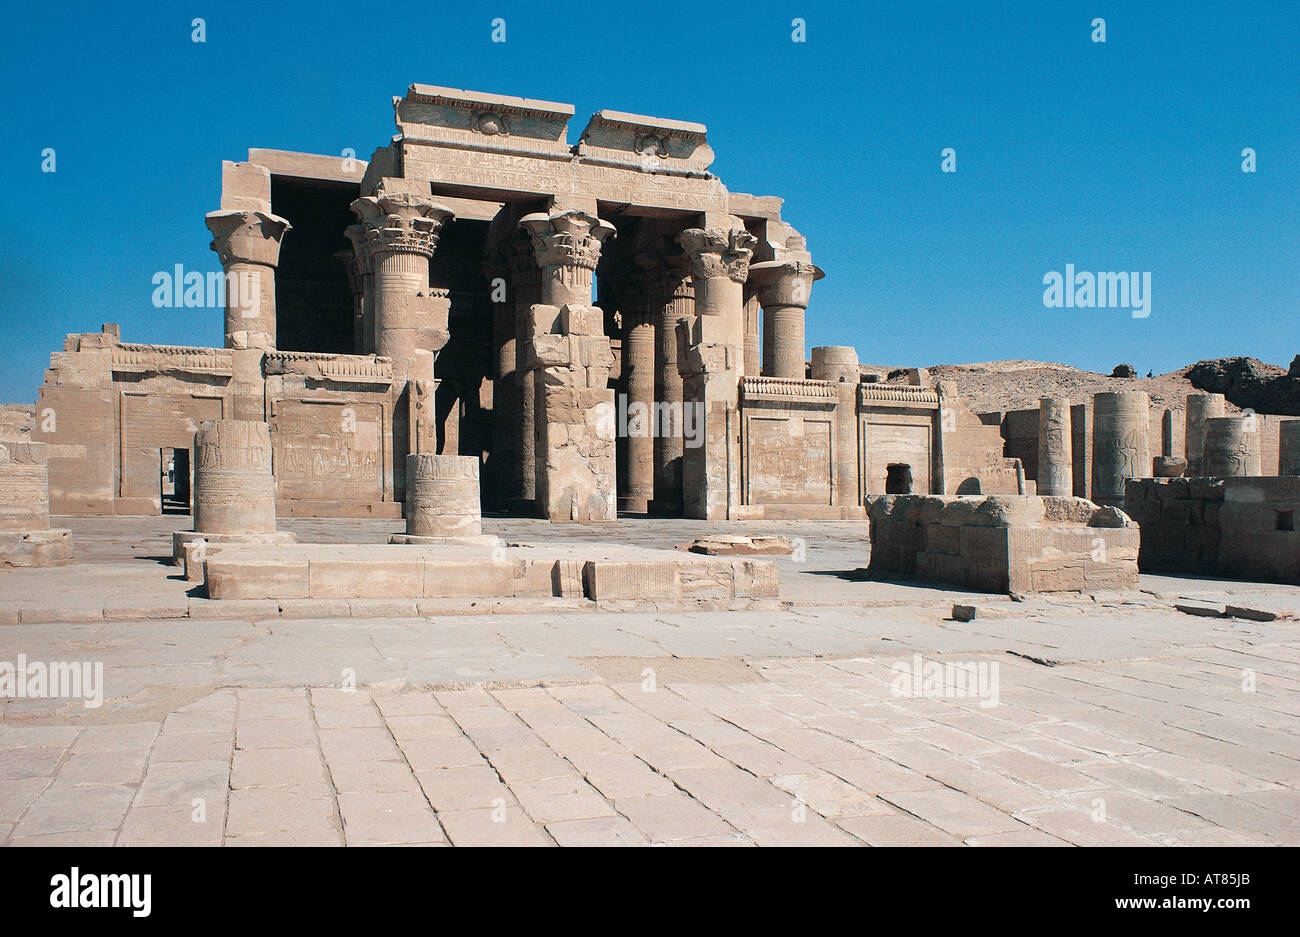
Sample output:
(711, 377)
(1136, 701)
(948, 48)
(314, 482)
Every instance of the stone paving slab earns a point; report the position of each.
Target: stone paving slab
(1105, 721)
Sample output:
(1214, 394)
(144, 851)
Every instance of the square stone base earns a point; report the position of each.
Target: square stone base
(183, 542)
(31, 548)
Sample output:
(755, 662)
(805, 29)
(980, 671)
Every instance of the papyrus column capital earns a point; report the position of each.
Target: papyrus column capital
(251, 237)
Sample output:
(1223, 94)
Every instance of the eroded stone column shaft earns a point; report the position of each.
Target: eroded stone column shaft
(442, 496)
(1055, 448)
(1121, 443)
(784, 289)
(679, 304)
(1231, 446)
(639, 369)
(1200, 407)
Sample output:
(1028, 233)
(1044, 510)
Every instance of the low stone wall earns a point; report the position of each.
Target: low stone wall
(1179, 520)
(1243, 528)
(1004, 543)
(596, 572)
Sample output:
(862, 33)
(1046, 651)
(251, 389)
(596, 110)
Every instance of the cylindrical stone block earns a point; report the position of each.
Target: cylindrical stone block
(442, 496)
(1121, 447)
(1055, 448)
(832, 363)
(1288, 450)
(1200, 407)
(1231, 446)
(234, 490)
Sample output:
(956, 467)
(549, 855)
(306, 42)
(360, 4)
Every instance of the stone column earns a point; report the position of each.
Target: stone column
(674, 301)
(1200, 407)
(638, 368)
(1055, 456)
(442, 498)
(1288, 448)
(570, 357)
(503, 461)
(711, 360)
(401, 232)
(348, 260)
(753, 335)
(784, 287)
(248, 245)
(526, 280)
(234, 490)
(839, 365)
(363, 290)
(1121, 443)
(1231, 446)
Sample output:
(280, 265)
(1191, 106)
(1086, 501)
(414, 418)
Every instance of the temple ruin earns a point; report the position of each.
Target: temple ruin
(576, 331)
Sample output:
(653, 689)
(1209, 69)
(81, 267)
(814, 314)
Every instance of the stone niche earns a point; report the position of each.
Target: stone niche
(1007, 544)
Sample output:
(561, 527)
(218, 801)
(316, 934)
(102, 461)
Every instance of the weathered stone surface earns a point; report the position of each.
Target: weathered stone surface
(442, 496)
(1002, 544)
(739, 546)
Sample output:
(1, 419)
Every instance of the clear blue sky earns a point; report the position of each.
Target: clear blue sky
(1122, 156)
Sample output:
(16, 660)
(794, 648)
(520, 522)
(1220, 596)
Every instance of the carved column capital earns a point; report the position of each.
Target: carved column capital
(251, 237)
(365, 261)
(567, 239)
(784, 282)
(401, 224)
(718, 252)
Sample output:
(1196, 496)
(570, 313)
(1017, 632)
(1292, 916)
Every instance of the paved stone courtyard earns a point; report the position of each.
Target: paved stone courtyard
(1116, 720)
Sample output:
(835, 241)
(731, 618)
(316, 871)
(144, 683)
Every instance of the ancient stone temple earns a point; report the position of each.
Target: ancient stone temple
(601, 323)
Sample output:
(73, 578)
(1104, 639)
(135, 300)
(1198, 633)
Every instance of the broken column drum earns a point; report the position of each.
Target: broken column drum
(234, 490)
(1121, 444)
(1231, 446)
(1200, 407)
(442, 496)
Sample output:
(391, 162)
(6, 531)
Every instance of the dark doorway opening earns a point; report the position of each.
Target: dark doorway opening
(175, 480)
(898, 478)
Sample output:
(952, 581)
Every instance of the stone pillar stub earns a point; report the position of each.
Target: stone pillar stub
(1055, 448)
(834, 363)
(1121, 443)
(442, 499)
(1200, 407)
(1231, 447)
(26, 538)
(234, 492)
(248, 245)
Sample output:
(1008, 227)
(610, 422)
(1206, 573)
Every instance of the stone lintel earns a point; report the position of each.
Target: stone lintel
(317, 167)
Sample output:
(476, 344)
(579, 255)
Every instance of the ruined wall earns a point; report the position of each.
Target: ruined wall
(1243, 528)
(1003, 544)
(1179, 518)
